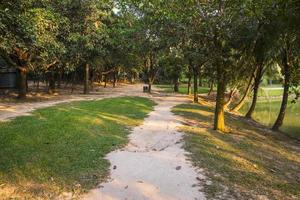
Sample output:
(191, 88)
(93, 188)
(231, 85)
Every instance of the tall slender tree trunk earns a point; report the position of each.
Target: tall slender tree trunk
(73, 82)
(195, 72)
(60, 76)
(38, 84)
(189, 92)
(150, 83)
(219, 122)
(105, 80)
(115, 79)
(211, 88)
(176, 84)
(149, 87)
(257, 80)
(287, 81)
(22, 82)
(200, 80)
(86, 89)
(51, 80)
(243, 99)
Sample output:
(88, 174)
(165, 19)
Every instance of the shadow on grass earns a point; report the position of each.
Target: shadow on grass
(64, 146)
(248, 162)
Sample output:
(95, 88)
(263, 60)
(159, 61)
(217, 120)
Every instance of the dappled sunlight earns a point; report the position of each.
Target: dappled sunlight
(217, 146)
(118, 188)
(201, 112)
(65, 145)
(90, 120)
(7, 108)
(119, 119)
(246, 156)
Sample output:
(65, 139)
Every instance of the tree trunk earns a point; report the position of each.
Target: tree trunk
(149, 87)
(22, 83)
(231, 95)
(51, 80)
(73, 83)
(195, 72)
(243, 99)
(200, 80)
(176, 85)
(60, 76)
(86, 79)
(105, 81)
(287, 76)
(115, 79)
(257, 80)
(219, 122)
(189, 92)
(38, 84)
(211, 88)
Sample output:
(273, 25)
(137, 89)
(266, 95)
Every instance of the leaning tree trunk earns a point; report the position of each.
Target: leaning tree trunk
(230, 98)
(257, 81)
(22, 82)
(195, 72)
(86, 89)
(287, 76)
(219, 122)
(243, 99)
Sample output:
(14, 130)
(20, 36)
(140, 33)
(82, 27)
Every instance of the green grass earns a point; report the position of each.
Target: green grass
(270, 92)
(60, 147)
(266, 112)
(183, 89)
(246, 163)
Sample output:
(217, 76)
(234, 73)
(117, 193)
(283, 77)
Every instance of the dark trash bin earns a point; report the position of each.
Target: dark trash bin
(145, 88)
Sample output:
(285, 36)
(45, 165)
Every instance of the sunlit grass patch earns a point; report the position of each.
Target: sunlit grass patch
(62, 148)
(245, 163)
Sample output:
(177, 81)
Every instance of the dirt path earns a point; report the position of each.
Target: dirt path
(11, 110)
(153, 165)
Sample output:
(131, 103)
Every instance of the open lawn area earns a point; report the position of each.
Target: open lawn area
(183, 89)
(247, 163)
(264, 92)
(62, 148)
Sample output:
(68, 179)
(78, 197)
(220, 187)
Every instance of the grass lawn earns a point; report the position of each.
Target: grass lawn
(182, 89)
(247, 163)
(62, 148)
(270, 92)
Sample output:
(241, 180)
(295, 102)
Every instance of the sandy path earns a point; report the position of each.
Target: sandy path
(11, 110)
(153, 165)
